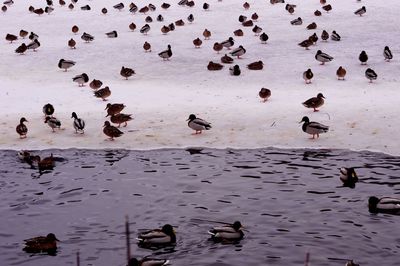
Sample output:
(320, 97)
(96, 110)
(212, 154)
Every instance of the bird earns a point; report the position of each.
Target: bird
(327, 8)
(312, 26)
(370, 74)
(384, 205)
(126, 72)
(11, 37)
(363, 57)
(264, 38)
(238, 33)
(72, 43)
(157, 237)
(48, 109)
(197, 42)
(323, 57)
(30, 8)
(228, 43)
(214, 66)
(111, 131)
(148, 261)
(79, 123)
(38, 11)
(52, 122)
(242, 18)
(264, 94)
(308, 75)
(335, 36)
(166, 54)
(95, 84)
(104, 10)
(152, 7)
(315, 102)
(148, 19)
(257, 30)
(121, 119)
(387, 53)
(361, 11)
(165, 29)
(206, 6)
(313, 128)
(160, 18)
(145, 29)
(115, 108)
(217, 47)
(198, 124)
(313, 38)
(322, 2)
(132, 26)
(179, 22)
(75, 29)
(341, 73)
(246, 5)
(348, 176)
(317, 13)
(305, 44)
(206, 34)
(71, 6)
(235, 70)
(32, 36)
(144, 9)
(238, 51)
(289, 8)
(23, 34)
(227, 233)
(4, 8)
(61, 2)
(119, 6)
(351, 263)
(103, 93)
(8, 2)
(254, 16)
(182, 2)
(297, 21)
(41, 244)
(112, 34)
(247, 23)
(147, 47)
(81, 79)
(21, 128)
(49, 2)
(171, 26)
(21, 49)
(324, 35)
(133, 8)
(226, 59)
(33, 45)
(165, 5)
(190, 18)
(87, 37)
(258, 65)
(48, 9)
(65, 64)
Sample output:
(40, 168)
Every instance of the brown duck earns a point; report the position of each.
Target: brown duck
(126, 72)
(206, 34)
(312, 26)
(226, 59)
(132, 26)
(113, 109)
(165, 29)
(111, 131)
(23, 34)
(238, 33)
(72, 43)
(11, 37)
(21, 49)
(315, 102)
(258, 65)
(197, 42)
(341, 73)
(214, 66)
(147, 47)
(327, 8)
(120, 119)
(264, 94)
(218, 47)
(75, 29)
(103, 93)
(41, 244)
(317, 13)
(247, 23)
(179, 23)
(22, 129)
(95, 84)
(38, 11)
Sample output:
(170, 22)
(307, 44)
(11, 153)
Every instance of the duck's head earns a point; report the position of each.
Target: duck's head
(168, 229)
(106, 124)
(191, 117)
(319, 52)
(22, 120)
(74, 115)
(352, 173)
(52, 237)
(305, 119)
(320, 95)
(237, 226)
(108, 106)
(372, 202)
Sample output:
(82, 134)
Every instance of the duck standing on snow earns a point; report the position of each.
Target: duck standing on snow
(228, 43)
(126, 72)
(95, 84)
(308, 75)
(258, 65)
(65, 64)
(119, 6)
(238, 51)
(264, 38)
(112, 34)
(11, 37)
(157, 237)
(227, 233)
(348, 176)
(315, 102)
(52, 122)
(335, 36)
(361, 11)
(147, 261)
(48, 109)
(206, 34)
(341, 73)
(166, 54)
(226, 59)
(115, 108)
(147, 47)
(313, 128)
(297, 21)
(235, 70)
(370, 74)
(387, 54)
(264, 94)
(214, 66)
(121, 119)
(384, 205)
(323, 57)
(103, 93)
(72, 43)
(145, 29)
(198, 124)
(21, 49)
(87, 37)
(79, 124)
(22, 129)
(305, 44)
(111, 131)
(257, 30)
(41, 244)
(363, 57)
(33, 45)
(324, 35)
(81, 79)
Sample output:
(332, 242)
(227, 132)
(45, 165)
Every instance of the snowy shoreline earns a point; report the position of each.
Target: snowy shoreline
(361, 116)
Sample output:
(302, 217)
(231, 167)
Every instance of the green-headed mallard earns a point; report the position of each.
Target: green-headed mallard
(157, 237)
(348, 176)
(227, 233)
(384, 205)
(313, 128)
(198, 124)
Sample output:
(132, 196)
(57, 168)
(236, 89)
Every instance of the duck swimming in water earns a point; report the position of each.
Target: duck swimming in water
(227, 233)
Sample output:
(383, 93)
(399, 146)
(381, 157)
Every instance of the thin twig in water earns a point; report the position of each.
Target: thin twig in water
(128, 245)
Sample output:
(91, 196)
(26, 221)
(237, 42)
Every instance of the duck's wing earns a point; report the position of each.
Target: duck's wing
(389, 203)
(201, 122)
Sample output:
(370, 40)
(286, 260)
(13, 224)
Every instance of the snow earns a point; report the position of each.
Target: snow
(162, 94)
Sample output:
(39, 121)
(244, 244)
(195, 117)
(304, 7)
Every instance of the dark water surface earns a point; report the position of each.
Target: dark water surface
(290, 201)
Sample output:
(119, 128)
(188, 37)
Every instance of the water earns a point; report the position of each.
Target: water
(290, 201)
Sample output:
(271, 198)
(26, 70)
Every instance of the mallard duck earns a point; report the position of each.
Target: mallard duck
(165, 5)
(363, 57)
(103, 93)
(313, 128)
(48, 109)
(147, 47)
(190, 3)
(157, 237)
(182, 2)
(257, 30)
(65, 64)
(115, 108)
(132, 26)
(52, 122)
(371, 74)
(258, 65)
(151, 7)
(305, 44)
(242, 18)
(238, 51)
(41, 244)
(327, 8)
(38, 11)
(197, 42)
(228, 43)
(71, 6)
(32, 36)
(264, 94)
(112, 34)
(313, 38)
(148, 19)
(22, 129)
(315, 102)
(144, 9)
(247, 23)
(387, 53)
(104, 11)
(33, 45)
(30, 8)
(227, 233)
(254, 16)
(324, 35)
(165, 29)
(351, 263)
(317, 13)
(21, 49)
(226, 59)
(75, 29)
(87, 37)
(246, 5)
(307, 76)
(341, 73)
(126, 72)
(147, 261)
(4, 8)
(206, 34)
(384, 205)
(190, 18)
(171, 27)
(297, 21)
(217, 47)
(238, 33)
(206, 6)
(179, 23)
(290, 8)
(348, 176)
(312, 26)
(214, 66)
(61, 2)
(23, 34)
(166, 54)
(95, 84)
(11, 37)
(111, 131)
(145, 29)
(198, 124)
(49, 9)
(335, 36)
(323, 57)
(121, 119)
(79, 123)
(45, 164)
(133, 8)
(81, 79)
(361, 11)
(72, 43)
(119, 6)
(235, 70)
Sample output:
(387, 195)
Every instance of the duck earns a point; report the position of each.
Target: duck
(33, 45)
(313, 38)
(387, 54)
(46, 164)
(165, 29)
(41, 244)
(27, 157)
(182, 2)
(197, 42)
(48, 109)
(165, 5)
(87, 37)
(308, 75)
(75, 29)
(296, 21)
(104, 11)
(11, 37)
(8, 2)
(198, 124)
(23, 34)
(238, 51)
(111, 131)
(313, 128)
(115, 108)
(247, 23)
(238, 33)
(119, 6)
(289, 8)
(206, 6)
(190, 3)
(52, 122)
(315, 102)
(335, 36)
(148, 261)
(38, 11)
(133, 8)
(217, 47)
(227, 233)
(103, 93)
(348, 176)
(257, 30)
(384, 205)
(126, 72)
(49, 9)
(157, 237)
(65, 64)
(72, 43)
(166, 54)
(61, 2)
(21, 128)
(228, 43)
(327, 8)
(206, 34)
(351, 263)
(148, 19)
(254, 16)
(95, 84)
(264, 94)
(30, 8)
(361, 11)
(147, 47)
(246, 5)
(324, 35)
(121, 119)
(21, 49)
(132, 26)
(71, 6)
(144, 9)
(371, 74)
(81, 79)
(323, 57)
(317, 13)
(160, 18)
(235, 70)
(179, 23)
(226, 59)
(112, 34)
(214, 66)
(363, 57)
(4, 8)
(341, 73)
(49, 2)
(258, 65)
(312, 26)
(190, 18)
(306, 44)
(171, 27)
(151, 7)
(32, 36)
(242, 18)
(79, 123)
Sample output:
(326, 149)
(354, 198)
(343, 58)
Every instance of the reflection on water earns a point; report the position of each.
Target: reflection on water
(290, 201)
